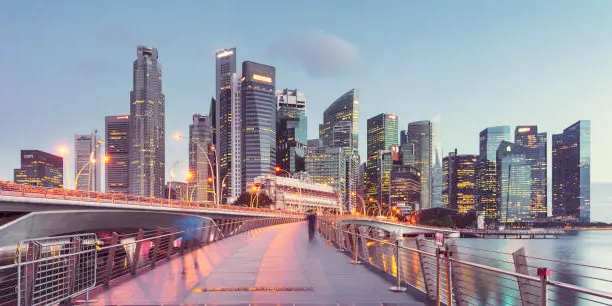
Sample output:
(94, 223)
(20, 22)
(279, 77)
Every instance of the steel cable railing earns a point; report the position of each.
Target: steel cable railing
(459, 275)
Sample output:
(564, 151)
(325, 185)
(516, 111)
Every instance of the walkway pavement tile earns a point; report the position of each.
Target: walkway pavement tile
(244, 268)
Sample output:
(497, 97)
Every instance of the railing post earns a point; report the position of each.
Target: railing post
(110, 260)
(160, 232)
(355, 259)
(438, 293)
(137, 251)
(449, 298)
(543, 273)
(526, 287)
(170, 245)
(398, 287)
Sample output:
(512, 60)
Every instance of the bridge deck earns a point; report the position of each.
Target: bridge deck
(243, 268)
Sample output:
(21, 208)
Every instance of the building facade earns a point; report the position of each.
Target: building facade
(201, 159)
(327, 166)
(459, 181)
(147, 127)
(258, 101)
(514, 181)
(418, 153)
(227, 110)
(40, 168)
(486, 172)
(291, 98)
(87, 161)
(571, 173)
(291, 138)
(118, 153)
(299, 195)
(382, 134)
(528, 137)
(405, 188)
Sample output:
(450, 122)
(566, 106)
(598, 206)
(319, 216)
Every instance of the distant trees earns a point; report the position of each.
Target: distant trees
(443, 217)
(254, 199)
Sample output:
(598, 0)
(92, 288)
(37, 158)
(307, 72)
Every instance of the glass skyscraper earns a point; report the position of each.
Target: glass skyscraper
(459, 181)
(201, 158)
(381, 136)
(117, 150)
(258, 109)
(291, 138)
(147, 127)
(340, 129)
(327, 166)
(535, 145)
(486, 172)
(418, 153)
(405, 186)
(514, 181)
(571, 173)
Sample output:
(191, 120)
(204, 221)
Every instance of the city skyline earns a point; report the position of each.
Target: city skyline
(108, 78)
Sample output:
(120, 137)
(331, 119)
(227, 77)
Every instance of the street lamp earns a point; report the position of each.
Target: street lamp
(216, 196)
(64, 151)
(363, 208)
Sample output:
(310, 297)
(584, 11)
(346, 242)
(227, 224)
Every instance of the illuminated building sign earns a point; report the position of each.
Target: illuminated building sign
(523, 130)
(392, 117)
(28, 156)
(224, 53)
(121, 117)
(262, 78)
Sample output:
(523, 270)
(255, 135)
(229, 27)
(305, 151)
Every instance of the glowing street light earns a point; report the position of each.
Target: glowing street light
(64, 152)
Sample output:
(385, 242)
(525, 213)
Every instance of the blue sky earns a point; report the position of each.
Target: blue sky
(64, 65)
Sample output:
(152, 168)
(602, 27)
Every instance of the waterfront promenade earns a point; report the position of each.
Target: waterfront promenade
(275, 264)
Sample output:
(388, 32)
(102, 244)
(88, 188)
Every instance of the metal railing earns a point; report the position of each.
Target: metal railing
(457, 275)
(53, 270)
(93, 198)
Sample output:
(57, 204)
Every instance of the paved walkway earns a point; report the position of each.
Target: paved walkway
(243, 269)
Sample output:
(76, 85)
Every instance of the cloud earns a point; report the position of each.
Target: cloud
(319, 53)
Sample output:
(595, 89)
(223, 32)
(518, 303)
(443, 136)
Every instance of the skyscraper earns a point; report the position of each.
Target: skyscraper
(381, 135)
(258, 101)
(147, 127)
(418, 153)
(291, 98)
(291, 138)
(225, 113)
(201, 159)
(535, 145)
(340, 129)
(459, 181)
(571, 173)
(486, 172)
(40, 168)
(514, 181)
(87, 161)
(327, 166)
(405, 187)
(117, 150)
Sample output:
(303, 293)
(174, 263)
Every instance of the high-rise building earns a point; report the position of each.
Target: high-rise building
(381, 136)
(117, 150)
(258, 101)
(486, 172)
(314, 143)
(147, 127)
(291, 98)
(459, 181)
(418, 153)
(327, 166)
(571, 173)
(436, 163)
(405, 187)
(535, 145)
(226, 111)
(176, 190)
(236, 177)
(403, 138)
(340, 129)
(514, 181)
(201, 159)
(87, 161)
(40, 168)
(291, 138)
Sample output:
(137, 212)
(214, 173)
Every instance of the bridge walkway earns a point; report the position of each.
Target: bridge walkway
(269, 265)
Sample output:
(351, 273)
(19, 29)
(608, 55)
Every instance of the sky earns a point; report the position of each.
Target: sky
(64, 65)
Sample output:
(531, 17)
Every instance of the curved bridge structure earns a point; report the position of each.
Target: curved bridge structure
(399, 228)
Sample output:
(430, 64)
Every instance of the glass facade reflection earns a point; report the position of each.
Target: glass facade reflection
(514, 181)
(327, 166)
(459, 181)
(571, 179)
(405, 186)
(117, 149)
(528, 137)
(291, 138)
(381, 136)
(418, 153)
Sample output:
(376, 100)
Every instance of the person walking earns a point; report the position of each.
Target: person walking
(312, 224)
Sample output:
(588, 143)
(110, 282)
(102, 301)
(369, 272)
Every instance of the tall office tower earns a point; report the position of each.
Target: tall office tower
(327, 166)
(201, 159)
(418, 153)
(436, 163)
(381, 135)
(459, 181)
(291, 138)
(361, 180)
(535, 145)
(235, 175)
(486, 172)
(405, 187)
(224, 120)
(571, 173)
(147, 127)
(258, 121)
(118, 153)
(340, 129)
(87, 161)
(403, 138)
(514, 181)
(291, 98)
(40, 168)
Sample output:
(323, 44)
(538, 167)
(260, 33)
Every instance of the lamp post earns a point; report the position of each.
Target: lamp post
(92, 161)
(216, 196)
